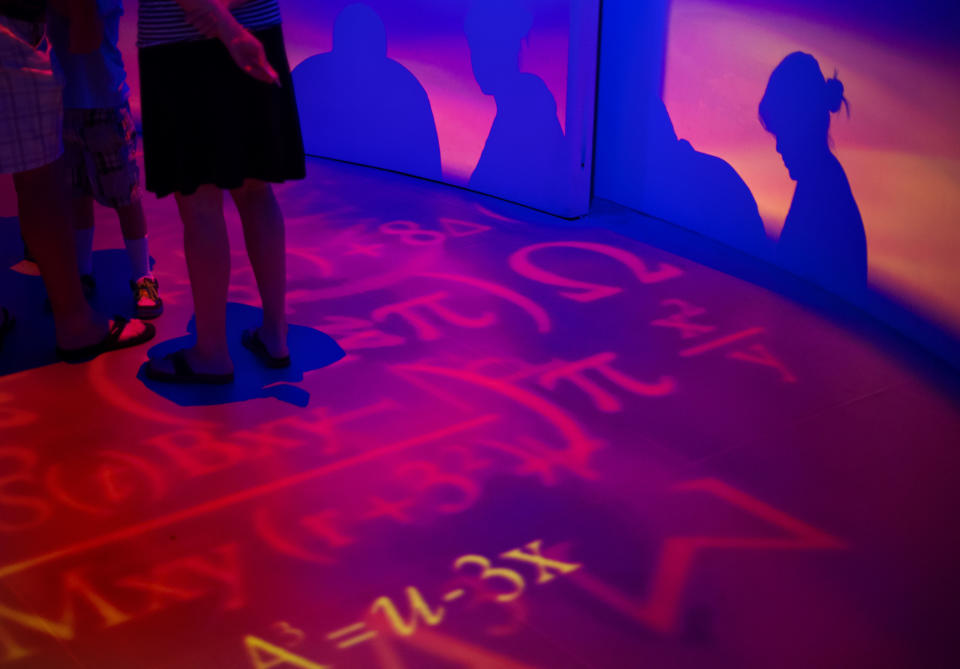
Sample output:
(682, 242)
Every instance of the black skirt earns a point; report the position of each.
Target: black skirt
(205, 121)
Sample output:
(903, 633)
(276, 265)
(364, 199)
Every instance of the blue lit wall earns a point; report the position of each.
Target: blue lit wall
(494, 95)
(866, 206)
(678, 129)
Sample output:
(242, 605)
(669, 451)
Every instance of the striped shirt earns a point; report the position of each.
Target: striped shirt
(164, 22)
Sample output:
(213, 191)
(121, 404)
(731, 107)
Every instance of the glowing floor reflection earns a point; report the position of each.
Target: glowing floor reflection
(505, 442)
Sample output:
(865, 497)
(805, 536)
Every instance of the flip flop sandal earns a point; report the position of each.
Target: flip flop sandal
(111, 342)
(6, 323)
(183, 373)
(251, 342)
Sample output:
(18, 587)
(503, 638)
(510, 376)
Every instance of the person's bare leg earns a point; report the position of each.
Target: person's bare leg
(46, 228)
(207, 251)
(133, 222)
(263, 231)
(82, 212)
(81, 208)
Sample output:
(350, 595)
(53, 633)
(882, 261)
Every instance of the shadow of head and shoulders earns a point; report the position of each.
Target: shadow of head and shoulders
(696, 190)
(358, 104)
(525, 145)
(823, 237)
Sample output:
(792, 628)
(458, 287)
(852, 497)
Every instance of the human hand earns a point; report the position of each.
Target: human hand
(212, 19)
(247, 52)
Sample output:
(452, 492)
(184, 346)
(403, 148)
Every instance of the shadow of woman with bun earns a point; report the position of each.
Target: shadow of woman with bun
(823, 237)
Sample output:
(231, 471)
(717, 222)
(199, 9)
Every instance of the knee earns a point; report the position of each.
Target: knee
(203, 205)
(252, 191)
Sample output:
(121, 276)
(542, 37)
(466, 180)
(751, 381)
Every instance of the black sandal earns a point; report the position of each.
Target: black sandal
(252, 342)
(6, 323)
(111, 342)
(183, 372)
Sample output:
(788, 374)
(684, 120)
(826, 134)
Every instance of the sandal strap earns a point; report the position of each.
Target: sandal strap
(146, 287)
(116, 330)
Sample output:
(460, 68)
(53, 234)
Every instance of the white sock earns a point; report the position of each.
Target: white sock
(84, 240)
(139, 252)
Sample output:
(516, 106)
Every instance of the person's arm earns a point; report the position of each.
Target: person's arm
(213, 19)
(86, 27)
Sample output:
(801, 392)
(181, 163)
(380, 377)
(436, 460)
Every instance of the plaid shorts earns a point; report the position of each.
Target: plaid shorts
(31, 99)
(100, 152)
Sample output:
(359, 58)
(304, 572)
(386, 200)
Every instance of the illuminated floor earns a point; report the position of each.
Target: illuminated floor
(547, 445)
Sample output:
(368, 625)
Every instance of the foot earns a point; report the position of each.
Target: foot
(146, 297)
(176, 368)
(123, 333)
(199, 362)
(251, 341)
(90, 331)
(274, 340)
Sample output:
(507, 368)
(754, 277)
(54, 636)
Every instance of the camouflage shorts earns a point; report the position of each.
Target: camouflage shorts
(99, 149)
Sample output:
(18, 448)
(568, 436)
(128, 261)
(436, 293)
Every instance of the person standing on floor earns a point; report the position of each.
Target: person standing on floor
(100, 143)
(31, 148)
(219, 114)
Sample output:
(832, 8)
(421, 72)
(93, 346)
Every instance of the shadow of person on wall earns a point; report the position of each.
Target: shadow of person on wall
(823, 238)
(310, 349)
(522, 159)
(697, 190)
(356, 104)
(641, 161)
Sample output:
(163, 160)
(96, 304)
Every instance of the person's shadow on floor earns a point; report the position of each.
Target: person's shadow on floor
(32, 341)
(309, 350)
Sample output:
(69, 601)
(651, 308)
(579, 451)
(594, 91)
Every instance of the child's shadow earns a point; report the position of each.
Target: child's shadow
(309, 350)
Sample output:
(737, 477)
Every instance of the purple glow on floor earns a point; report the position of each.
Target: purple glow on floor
(547, 445)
